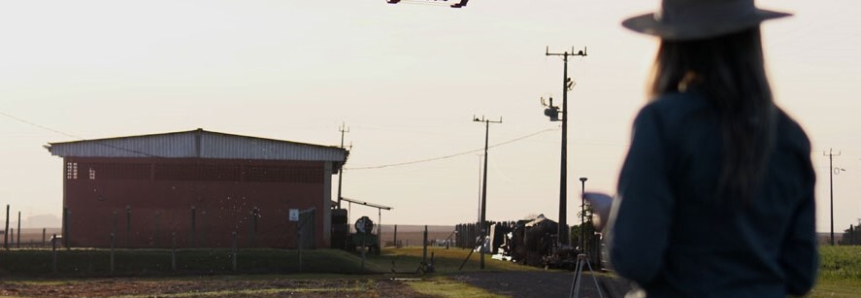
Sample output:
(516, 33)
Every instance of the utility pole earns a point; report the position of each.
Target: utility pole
(483, 222)
(480, 164)
(567, 84)
(831, 155)
(343, 130)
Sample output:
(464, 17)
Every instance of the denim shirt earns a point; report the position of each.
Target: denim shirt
(675, 237)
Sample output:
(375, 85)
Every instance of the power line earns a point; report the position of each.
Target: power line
(40, 126)
(452, 155)
(77, 138)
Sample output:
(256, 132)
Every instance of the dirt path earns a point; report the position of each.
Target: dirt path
(211, 287)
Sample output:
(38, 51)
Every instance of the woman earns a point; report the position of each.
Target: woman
(716, 194)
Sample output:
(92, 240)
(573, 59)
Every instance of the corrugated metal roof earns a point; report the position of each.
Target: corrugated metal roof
(198, 144)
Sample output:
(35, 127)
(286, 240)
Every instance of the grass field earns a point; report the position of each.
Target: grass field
(142, 262)
(147, 262)
(330, 273)
(208, 272)
(839, 272)
(446, 288)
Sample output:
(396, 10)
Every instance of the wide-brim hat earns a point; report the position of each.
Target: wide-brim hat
(700, 19)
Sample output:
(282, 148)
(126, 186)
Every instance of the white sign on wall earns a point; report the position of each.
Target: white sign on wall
(294, 214)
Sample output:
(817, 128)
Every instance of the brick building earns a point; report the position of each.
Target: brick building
(199, 186)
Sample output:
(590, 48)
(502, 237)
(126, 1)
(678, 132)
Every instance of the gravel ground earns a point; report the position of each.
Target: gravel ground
(546, 284)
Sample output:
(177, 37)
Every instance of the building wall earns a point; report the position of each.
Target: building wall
(155, 197)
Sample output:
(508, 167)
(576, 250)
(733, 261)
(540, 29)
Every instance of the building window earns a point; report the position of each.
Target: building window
(118, 171)
(71, 170)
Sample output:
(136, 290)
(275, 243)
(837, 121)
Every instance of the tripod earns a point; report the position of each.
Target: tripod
(575, 284)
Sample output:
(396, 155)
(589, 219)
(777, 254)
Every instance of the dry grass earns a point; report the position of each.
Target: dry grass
(446, 288)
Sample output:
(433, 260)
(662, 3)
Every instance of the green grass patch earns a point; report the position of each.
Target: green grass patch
(839, 272)
(149, 262)
(76, 263)
(446, 288)
(837, 289)
(840, 262)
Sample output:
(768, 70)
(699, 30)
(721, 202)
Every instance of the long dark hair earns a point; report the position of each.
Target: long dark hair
(729, 72)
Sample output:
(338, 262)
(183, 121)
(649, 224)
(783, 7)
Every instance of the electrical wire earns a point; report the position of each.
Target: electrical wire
(357, 168)
(77, 138)
(451, 155)
(39, 126)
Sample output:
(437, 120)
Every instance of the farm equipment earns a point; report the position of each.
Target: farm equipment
(363, 237)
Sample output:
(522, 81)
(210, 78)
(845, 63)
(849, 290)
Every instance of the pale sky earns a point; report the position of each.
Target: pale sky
(406, 79)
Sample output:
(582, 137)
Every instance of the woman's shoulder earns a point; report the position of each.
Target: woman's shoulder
(790, 132)
(675, 108)
(678, 102)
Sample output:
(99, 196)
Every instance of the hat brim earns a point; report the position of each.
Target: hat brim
(648, 24)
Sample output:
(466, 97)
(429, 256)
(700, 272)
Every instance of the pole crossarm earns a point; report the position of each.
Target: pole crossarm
(367, 204)
(582, 53)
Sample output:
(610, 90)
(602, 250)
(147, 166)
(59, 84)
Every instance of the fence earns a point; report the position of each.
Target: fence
(148, 228)
(194, 228)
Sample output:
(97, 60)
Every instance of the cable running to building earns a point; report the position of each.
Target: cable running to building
(452, 155)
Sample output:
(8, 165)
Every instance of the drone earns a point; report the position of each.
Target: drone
(459, 4)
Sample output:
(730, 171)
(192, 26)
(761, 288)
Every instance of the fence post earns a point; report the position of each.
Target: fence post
(234, 250)
(364, 248)
(66, 215)
(155, 241)
(173, 251)
(254, 217)
(114, 223)
(425, 246)
(299, 245)
(395, 240)
(5, 234)
(193, 218)
(43, 236)
(54, 254)
(204, 230)
(113, 237)
(457, 235)
(18, 242)
(128, 226)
